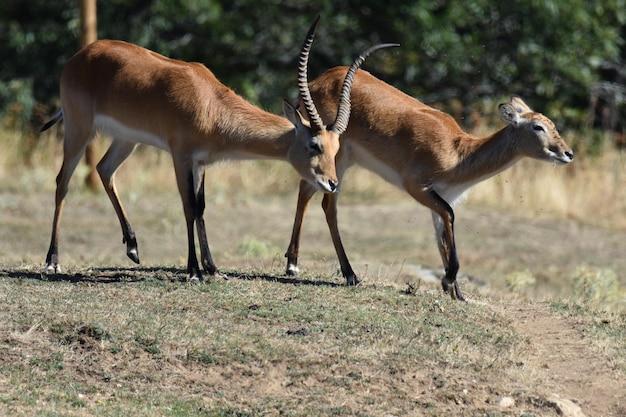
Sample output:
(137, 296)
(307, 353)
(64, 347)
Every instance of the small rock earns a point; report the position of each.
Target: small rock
(506, 402)
(565, 407)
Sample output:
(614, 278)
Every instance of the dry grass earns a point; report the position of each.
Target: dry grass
(591, 190)
(594, 194)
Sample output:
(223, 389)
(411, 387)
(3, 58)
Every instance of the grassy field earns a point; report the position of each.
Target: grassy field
(121, 342)
(541, 251)
(144, 345)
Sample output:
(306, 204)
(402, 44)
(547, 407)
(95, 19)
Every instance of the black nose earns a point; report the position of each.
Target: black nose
(570, 154)
(332, 184)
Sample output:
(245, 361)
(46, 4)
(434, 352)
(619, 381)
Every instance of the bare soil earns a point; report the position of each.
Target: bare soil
(567, 362)
(386, 242)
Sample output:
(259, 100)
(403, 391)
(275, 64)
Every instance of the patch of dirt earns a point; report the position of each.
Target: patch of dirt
(567, 362)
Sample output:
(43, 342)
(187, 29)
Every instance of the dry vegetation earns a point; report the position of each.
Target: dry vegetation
(591, 190)
(541, 249)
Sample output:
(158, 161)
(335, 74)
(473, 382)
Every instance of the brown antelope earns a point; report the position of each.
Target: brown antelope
(137, 96)
(424, 152)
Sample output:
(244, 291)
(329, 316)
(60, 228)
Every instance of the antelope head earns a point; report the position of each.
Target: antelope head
(538, 135)
(316, 145)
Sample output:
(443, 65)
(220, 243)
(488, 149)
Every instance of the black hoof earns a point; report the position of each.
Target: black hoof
(209, 268)
(454, 290)
(292, 271)
(133, 254)
(352, 281)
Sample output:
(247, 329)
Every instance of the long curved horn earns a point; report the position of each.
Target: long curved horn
(303, 83)
(343, 111)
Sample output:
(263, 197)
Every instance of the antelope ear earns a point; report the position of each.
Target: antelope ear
(293, 115)
(519, 105)
(509, 114)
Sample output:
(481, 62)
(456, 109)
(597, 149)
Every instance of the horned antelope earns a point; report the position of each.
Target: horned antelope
(138, 96)
(424, 152)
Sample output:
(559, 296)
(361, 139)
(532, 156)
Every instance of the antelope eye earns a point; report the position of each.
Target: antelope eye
(314, 146)
(539, 128)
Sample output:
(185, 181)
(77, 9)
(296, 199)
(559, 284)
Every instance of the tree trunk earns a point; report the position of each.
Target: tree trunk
(89, 34)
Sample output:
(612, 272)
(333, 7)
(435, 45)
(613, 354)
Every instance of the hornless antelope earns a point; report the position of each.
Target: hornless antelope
(137, 96)
(423, 151)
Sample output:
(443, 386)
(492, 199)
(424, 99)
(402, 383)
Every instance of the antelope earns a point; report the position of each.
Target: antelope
(424, 152)
(137, 96)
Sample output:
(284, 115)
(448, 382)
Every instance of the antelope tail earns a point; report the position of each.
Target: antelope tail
(52, 121)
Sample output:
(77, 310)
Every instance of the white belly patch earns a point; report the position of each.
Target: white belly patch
(365, 159)
(113, 128)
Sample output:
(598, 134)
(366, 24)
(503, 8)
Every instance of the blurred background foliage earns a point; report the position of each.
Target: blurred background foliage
(455, 54)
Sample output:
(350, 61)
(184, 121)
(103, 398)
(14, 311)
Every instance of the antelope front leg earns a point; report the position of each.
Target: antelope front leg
(329, 204)
(193, 269)
(305, 193)
(185, 180)
(443, 220)
(451, 264)
(444, 229)
(205, 254)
